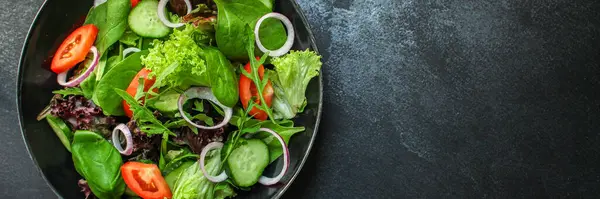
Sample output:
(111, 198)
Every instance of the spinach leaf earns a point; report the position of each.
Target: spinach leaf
(96, 15)
(268, 3)
(99, 163)
(232, 19)
(111, 20)
(69, 91)
(119, 77)
(222, 77)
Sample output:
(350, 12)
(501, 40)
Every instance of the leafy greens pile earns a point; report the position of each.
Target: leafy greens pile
(144, 88)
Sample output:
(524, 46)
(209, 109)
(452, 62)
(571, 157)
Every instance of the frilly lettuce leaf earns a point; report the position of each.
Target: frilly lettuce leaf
(191, 183)
(294, 72)
(183, 49)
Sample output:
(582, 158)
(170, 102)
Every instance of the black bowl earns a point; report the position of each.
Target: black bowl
(36, 82)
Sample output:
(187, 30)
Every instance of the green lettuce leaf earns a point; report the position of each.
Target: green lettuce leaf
(294, 72)
(181, 48)
(191, 183)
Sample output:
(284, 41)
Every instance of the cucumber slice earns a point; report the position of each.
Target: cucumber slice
(247, 162)
(63, 132)
(144, 21)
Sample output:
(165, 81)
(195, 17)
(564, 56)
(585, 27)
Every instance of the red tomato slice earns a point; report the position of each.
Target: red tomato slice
(248, 91)
(133, 87)
(74, 48)
(145, 180)
(134, 3)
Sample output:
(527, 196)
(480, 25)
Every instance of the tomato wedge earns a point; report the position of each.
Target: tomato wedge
(74, 48)
(133, 87)
(134, 3)
(248, 91)
(145, 180)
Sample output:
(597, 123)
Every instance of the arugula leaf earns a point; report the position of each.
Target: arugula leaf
(139, 93)
(69, 91)
(285, 131)
(199, 106)
(172, 163)
(181, 122)
(143, 116)
(285, 128)
(254, 76)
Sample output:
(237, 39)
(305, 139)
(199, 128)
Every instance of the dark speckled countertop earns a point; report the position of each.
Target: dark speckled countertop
(423, 99)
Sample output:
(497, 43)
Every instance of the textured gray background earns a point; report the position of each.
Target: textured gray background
(423, 99)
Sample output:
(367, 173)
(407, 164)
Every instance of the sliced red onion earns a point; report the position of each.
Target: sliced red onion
(290, 35)
(128, 139)
(203, 93)
(286, 160)
(216, 179)
(62, 77)
(130, 50)
(161, 13)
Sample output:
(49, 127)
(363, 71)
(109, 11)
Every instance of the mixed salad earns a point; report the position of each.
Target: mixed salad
(179, 99)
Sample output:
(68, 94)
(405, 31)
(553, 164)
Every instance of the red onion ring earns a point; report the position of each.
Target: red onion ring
(216, 179)
(286, 160)
(62, 77)
(128, 139)
(130, 50)
(163, 18)
(290, 37)
(203, 93)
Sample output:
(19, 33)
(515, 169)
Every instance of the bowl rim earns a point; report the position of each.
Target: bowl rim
(279, 193)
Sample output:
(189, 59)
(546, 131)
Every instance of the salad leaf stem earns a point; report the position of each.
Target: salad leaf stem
(260, 83)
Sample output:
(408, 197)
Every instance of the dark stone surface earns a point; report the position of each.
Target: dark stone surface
(423, 99)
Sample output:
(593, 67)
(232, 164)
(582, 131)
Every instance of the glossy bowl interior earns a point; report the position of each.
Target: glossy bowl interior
(54, 21)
